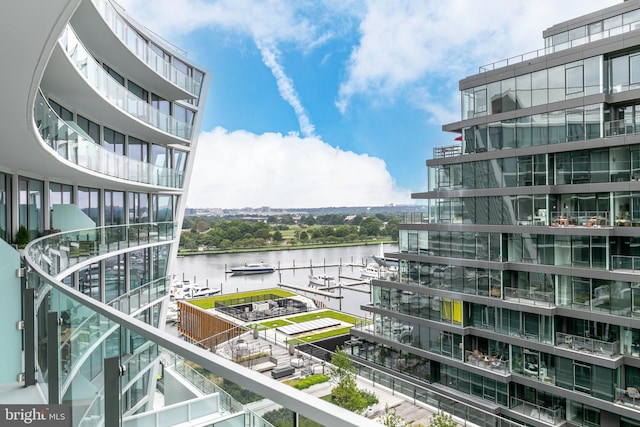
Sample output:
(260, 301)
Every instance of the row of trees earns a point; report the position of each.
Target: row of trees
(239, 233)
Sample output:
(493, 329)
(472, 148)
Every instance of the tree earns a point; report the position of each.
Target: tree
(391, 419)
(341, 366)
(345, 393)
(370, 226)
(442, 419)
(277, 236)
(304, 236)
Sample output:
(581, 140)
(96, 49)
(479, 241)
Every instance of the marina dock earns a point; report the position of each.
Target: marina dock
(310, 290)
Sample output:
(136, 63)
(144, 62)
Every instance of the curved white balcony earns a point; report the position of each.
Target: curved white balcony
(139, 46)
(97, 334)
(114, 92)
(75, 146)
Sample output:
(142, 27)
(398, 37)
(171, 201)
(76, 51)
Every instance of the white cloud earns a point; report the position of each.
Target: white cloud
(287, 91)
(238, 169)
(409, 43)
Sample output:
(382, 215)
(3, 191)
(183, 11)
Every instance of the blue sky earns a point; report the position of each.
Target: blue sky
(336, 102)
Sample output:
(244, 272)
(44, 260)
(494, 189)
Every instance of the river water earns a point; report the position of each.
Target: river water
(343, 261)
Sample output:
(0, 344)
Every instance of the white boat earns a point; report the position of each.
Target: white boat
(322, 280)
(172, 313)
(373, 270)
(184, 289)
(198, 292)
(384, 261)
(253, 268)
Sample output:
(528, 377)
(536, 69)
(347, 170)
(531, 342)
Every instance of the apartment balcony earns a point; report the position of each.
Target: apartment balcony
(72, 144)
(529, 296)
(626, 262)
(628, 397)
(140, 47)
(548, 416)
(114, 92)
(594, 347)
(487, 362)
(593, 219)
(630, 126)
(447, 151)
(83, 353)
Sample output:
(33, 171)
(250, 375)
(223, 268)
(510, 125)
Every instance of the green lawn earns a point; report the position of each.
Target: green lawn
(320, 336)
(207, 303)
(314, 315)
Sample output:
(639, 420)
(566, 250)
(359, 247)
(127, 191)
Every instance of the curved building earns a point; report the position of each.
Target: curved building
(519, 290)
(100, 120)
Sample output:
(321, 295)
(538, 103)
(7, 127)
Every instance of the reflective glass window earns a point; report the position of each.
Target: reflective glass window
(618, 74)
(593, 75)
(634, 72)
(30, 211)
(556, 83)
(575, 80)
(539, 88)
(494, 96)
(523, 91)
(88, 202)
(508, 89)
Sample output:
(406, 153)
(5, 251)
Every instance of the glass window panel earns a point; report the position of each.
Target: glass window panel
(539, 129)
(539, 88)
(593, 75)
(634, 77)
(480, 97)
(556, 84)
(613, 22)
(523, 91)
(508, 134)
(508, 87)
(577, 33)
(619, 74)
(575, 124)
(494, 96)
(575, 80)
(524, 134)
(557, 128)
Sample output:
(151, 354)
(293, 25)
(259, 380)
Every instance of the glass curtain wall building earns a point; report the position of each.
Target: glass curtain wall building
(100, 130)
(519, 290)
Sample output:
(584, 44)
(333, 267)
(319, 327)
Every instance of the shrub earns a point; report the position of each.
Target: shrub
(311, 380)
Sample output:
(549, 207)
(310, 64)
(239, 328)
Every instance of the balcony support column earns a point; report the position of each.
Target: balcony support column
(112, 373)
(29, 335)
(53, 357)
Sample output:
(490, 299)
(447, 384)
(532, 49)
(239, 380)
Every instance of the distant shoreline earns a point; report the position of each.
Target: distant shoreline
(183, 252)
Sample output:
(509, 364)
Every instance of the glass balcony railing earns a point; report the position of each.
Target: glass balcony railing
(115, 93)
(448, 151)
(74, 145)
(625, 262)
(588, 345)
(546, 415)
(57, 252)
(560, 47)
(140, 47)
(578, 219)
(628, 397)
(483, 361)
(84, 352)
(529, 296)
(142, 296)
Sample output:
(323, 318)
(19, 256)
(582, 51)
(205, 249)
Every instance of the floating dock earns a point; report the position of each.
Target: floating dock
(311, 290)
